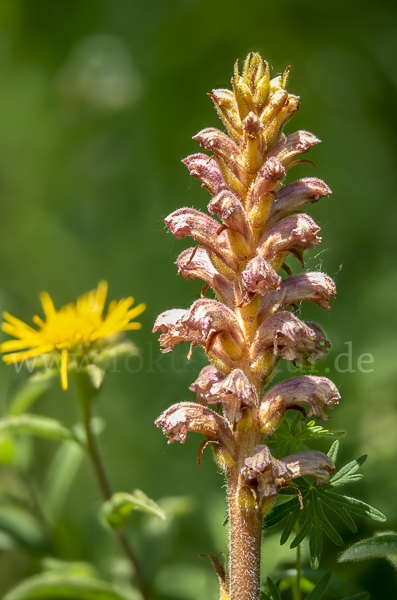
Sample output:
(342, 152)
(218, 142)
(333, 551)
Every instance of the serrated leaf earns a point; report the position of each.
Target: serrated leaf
(379, 546)
(315, 544)
(273, 589)
(116, 510)
(60, 585)
(288, 527)
(333, 451)
(344, 475)
(321, 587)
(36, 425)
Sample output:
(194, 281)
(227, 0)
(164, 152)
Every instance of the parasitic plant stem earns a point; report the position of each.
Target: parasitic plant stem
(240, 252)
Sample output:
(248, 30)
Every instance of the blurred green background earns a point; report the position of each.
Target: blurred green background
(98, 103)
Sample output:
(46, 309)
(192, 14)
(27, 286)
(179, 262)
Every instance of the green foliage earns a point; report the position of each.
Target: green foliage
(65, 585)
(292, 434)
(36, 425)
(315, 499)
(30, 391)
(383, 545)
(117, 510)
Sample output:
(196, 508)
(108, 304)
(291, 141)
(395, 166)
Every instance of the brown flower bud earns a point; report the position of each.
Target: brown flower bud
(287, 336)
(206, 379)
(289, 148)
(258, 277)
(306, 287)
(266, 181)
(195, 263)
(228, 156)
(183, 417)
(293, 196)
(229, 208)
(234, 391)
(293, 234)
(207, 170)
(203, 229)
(317, 392)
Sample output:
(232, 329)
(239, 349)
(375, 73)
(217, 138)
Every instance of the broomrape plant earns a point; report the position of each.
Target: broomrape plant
(251, 325)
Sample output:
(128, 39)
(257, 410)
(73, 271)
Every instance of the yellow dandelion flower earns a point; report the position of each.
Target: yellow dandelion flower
(75, 327)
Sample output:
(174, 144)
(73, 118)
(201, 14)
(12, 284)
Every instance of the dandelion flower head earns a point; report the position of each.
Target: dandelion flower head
(73, 328)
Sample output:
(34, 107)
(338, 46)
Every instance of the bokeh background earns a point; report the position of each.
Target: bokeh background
(98, 103)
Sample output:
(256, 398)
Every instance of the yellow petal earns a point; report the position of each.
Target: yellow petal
(64, 369)
(48, 305)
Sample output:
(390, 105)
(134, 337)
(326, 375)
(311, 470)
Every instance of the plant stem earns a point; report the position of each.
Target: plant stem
(298, 565)
(85, 398)
(245, 529)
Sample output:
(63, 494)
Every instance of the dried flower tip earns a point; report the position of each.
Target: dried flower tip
(207, 170)
(266, 181)
(264, 473)
(183, 417)
(169, 323)
(290, 338)
(206, 379)
(234, 391)
(317, 392)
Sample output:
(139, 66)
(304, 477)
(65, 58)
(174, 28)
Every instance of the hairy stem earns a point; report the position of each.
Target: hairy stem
(245, 528)
(102, 478)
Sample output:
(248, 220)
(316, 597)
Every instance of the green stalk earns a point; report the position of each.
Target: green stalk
(86, 393)
(298, 565)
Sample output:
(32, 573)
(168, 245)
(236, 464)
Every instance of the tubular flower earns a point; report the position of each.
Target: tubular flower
(75, 328)
(254, 225)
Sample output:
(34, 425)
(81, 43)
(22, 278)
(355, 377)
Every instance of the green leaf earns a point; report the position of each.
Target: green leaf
(22, 527)
(315, 544)
(288, 527)
(30, 391)
(280, 512)
(357, 507)
(345, 474)
(117, 509)
(361, 596)
(339, 510)
(379, 546)
(54, 585)
(304, 530)
(333, 451)
(264, 596)
(325, 524)
(321, 587)
(273, 590)
(60, 476)
(36, 425)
